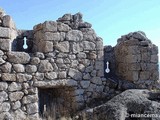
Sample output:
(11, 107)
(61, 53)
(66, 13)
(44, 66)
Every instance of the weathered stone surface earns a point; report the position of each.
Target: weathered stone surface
(88, 45)
(16, 105)
(5, 32)
(8, 22)
(119, 107)
(81, 55)
(92, 55)
(79, 92)
(132, 75)
(74, 63)
(6, 116)
(25, 85)
(3, 96)
(63, 46)
(52, 36)
(32, 108)
(30, 99)
(134, 66)
(51, 75)
(144, 75)
(62, 36)
(79, 98)
(55, 84)
(67, 60)
(75, 74)
(8, 77)
(63, 27)
(5, 107)
(39, 55)
(100, 73)
(3, 85)
(18, 68)
(85, 84)
(146, 57)
(23, 77)
(35, 60)
(6, 68)
(62, 74)
(139, 35)
(1, 53)
(5, 44)
(74, 35)
(89, 68)
(87, 77)
(154, 50)
(154, 58)
(65, 17)
(14, 86)
(19, 115)
(99, 43)
(34, 116)
(31, 68)
(45, 66)
(134, 57)
(96, 80)
(39, 76)
(93, 73)
(2, 61)
(14, 96)
(88, 34)
(47, 46)
(85, 25)
(18, 57)
(75, 48)
(50, 26)
(72, 57)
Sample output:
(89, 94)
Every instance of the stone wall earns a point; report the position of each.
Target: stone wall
(64, 56)
(137, 60)
(62, 69)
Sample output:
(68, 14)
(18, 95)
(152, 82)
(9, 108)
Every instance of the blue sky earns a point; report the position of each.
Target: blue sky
(109, 18)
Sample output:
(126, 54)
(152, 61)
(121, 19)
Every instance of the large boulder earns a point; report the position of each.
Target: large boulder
(132, 104)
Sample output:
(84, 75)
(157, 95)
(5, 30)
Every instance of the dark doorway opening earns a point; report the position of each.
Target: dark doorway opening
(54, 103)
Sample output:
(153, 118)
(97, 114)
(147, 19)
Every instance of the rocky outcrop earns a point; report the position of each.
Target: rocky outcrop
(131, 104)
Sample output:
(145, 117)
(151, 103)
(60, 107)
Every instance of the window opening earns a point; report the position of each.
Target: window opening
(25, 46)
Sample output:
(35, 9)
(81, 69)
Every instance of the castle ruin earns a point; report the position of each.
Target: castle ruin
(62, 70)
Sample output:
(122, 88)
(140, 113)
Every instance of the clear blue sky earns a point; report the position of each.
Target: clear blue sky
(109, 18)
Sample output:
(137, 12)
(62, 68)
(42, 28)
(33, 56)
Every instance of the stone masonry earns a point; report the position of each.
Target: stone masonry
(62, 69)
(134, 59)
(137, 59)
(64, 56)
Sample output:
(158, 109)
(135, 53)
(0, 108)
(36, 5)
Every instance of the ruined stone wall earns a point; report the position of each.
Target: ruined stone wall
(137, 60)
(64, 62)
(62, 68)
